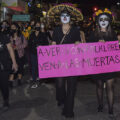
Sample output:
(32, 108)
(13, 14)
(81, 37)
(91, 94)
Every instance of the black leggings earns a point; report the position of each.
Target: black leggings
(109, 92)
(65, 92)
(4, 87)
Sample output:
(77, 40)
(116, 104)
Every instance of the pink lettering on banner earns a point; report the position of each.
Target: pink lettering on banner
(75, 60)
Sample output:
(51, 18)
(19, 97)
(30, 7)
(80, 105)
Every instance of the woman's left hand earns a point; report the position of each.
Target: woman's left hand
(101, 40)
(77, 42)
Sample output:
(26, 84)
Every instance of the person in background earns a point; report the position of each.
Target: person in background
(19, 44)
(36, 38)
(82, 35)
(5, 28)
(6, 58)
(32, 24)
(45, 34)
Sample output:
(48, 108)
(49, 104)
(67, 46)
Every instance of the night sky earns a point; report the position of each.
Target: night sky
(97, 2)
(87, 5)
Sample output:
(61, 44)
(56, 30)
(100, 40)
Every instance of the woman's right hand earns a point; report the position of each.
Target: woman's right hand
(15, 67)
(101, 40)
(53, 43)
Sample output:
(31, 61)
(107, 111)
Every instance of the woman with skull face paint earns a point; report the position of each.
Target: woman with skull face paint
(104, 33)
(66, 87)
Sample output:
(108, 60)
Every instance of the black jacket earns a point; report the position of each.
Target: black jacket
(36, 41)
(5, 61)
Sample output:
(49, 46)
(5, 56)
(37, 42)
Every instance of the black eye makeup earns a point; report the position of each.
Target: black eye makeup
(65, 15)
(104, 19)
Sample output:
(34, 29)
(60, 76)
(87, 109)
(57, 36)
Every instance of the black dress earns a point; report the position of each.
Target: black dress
(95, 38)
(72, 37)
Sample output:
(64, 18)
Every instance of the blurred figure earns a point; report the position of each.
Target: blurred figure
(7, 62)
(28, 29)
(5, 28)
(45, 34)
(37, 38)
(19, 44)
(82, 35)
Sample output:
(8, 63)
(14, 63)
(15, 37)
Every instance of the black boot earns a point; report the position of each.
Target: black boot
(6, 103)
(100, 108)
(11, 84)
(5, 106)
(19, 82)
(112, 116)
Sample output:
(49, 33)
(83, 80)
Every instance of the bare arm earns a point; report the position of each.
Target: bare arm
(118, 38)
(82, 35)
(12, 55)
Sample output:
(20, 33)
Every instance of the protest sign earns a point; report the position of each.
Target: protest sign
(74, 60)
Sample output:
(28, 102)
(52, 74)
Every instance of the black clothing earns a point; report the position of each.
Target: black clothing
(5, 66)
(104, 77)
(36, 41)
(6, 31)
(20, 62)
(48, 35)
(72, 37)
(65, 96)
(4, 85)
(33, 43)
(5, 61)
(95, 38)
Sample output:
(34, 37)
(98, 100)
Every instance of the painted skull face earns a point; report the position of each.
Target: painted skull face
(103, 21)
(65, 18)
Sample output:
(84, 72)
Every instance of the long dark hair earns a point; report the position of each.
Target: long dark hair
(109, 32)
(18, 30)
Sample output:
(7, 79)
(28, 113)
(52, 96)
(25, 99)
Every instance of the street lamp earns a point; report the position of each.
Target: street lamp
(118, 3)
(95, 8)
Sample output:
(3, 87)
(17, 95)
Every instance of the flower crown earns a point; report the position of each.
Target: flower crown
(105, 11)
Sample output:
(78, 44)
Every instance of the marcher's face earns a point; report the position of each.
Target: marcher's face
(4, 25)
(32, 23)
(42, 25)
(103, 21)
(65, 18)
(37, 27)
(13, 27)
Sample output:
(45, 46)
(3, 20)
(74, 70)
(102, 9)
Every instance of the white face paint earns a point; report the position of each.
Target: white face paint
(103, 21)
(65, 18)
